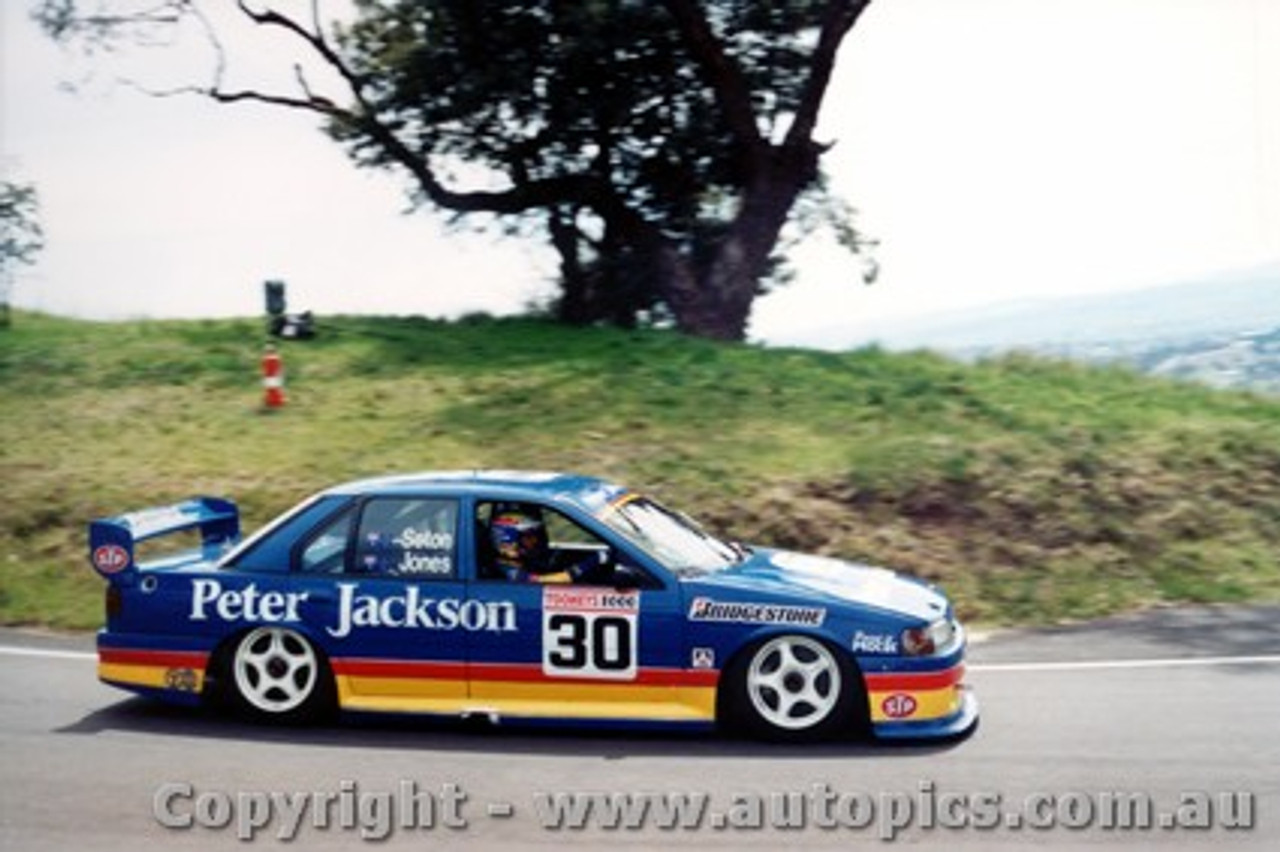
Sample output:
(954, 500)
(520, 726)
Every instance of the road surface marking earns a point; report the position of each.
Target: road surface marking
(19, 651)
(1088, 665)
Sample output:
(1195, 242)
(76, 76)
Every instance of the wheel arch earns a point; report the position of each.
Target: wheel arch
(219, 689)
(740, 658)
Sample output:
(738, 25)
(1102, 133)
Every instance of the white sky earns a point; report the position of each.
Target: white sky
(997, 149)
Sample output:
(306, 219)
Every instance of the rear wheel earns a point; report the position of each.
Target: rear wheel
(276, 674)
(793, 688)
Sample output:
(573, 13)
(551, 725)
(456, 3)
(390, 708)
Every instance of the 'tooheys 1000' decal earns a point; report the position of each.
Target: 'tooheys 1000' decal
(590, 633)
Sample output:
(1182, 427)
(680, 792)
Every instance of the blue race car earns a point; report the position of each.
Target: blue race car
(520, 596)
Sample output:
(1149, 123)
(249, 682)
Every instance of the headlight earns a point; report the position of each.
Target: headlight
(935, 637)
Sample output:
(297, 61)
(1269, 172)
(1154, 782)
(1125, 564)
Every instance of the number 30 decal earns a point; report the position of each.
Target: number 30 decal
(588, 642)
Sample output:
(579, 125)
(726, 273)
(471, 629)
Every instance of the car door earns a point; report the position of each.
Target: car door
(587, 649)
(383, 581)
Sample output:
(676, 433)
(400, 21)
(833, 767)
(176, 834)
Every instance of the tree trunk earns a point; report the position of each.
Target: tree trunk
(715, 301)
(573, 306)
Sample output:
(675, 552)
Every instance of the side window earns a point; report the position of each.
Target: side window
(325, 552)
(408, 537)
(555, 549)
(564, 533)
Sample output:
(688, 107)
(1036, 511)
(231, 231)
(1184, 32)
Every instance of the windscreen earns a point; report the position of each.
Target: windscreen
(672, 539)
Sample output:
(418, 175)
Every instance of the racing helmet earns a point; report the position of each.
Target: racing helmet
(519, 537)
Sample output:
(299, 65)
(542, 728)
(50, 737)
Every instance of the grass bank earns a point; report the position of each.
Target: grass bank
(1032, 490)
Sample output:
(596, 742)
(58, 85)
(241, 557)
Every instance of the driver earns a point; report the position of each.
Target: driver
(523, 553)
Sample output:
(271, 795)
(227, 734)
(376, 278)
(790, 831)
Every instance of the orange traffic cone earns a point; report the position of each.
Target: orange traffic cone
(272, 378)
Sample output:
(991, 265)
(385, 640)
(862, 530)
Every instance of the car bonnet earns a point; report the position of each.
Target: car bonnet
(798, 575)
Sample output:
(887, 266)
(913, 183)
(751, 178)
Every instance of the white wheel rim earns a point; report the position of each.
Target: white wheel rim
(794, 682)
(275, 669)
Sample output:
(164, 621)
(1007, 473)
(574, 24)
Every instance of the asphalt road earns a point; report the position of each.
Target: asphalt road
(1087, 732)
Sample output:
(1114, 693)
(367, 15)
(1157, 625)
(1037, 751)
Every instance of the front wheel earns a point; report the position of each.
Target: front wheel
(793, 688)
(277, 675)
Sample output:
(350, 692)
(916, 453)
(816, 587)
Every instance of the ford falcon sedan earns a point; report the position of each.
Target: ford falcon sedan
(519, 597)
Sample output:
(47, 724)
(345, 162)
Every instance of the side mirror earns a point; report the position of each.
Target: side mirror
(626, 578)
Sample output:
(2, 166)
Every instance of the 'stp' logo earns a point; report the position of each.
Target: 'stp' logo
(898, 706)
(110, 558)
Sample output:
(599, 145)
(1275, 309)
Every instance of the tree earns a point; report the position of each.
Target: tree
(21, 237)
(663, 146)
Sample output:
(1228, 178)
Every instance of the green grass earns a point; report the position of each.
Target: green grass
(1033, 490)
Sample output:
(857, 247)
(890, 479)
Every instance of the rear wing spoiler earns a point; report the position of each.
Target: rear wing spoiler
(112, 540)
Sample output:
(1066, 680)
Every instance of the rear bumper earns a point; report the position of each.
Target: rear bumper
(150, 666)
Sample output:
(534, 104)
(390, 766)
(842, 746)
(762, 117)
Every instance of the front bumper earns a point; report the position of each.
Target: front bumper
(958, 724)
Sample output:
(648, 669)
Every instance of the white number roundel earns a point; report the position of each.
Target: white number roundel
(589, 633)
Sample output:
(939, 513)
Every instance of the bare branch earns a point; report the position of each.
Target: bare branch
(174, 92)
(839, 18)
(219, 52)
(320, 105)
(314, 38)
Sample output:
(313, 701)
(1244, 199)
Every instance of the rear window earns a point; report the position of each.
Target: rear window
(272, 552)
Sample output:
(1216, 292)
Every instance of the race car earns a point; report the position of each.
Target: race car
(397, 595)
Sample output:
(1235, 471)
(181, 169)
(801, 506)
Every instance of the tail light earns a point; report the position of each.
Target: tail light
(113, 602)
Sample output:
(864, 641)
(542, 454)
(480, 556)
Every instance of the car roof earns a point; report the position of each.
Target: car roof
(503, 484)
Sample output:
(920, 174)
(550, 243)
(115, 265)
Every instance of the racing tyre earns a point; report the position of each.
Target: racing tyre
(277, 675)
(793, 688)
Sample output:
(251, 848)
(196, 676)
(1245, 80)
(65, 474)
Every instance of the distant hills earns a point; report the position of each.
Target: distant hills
(1223, 330)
